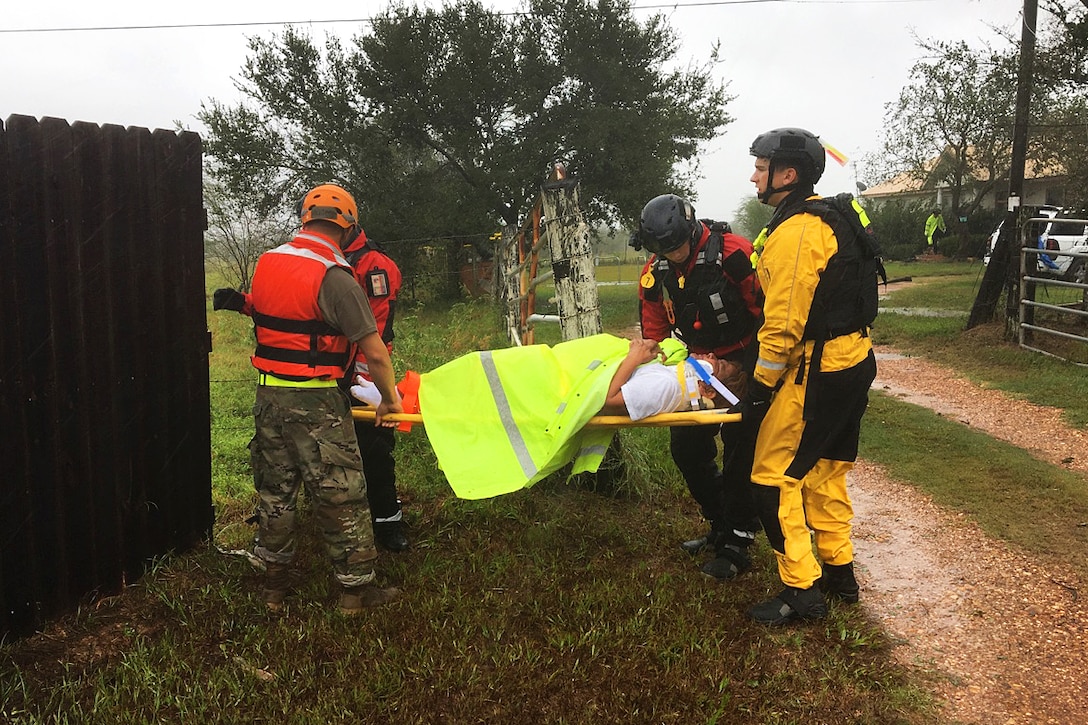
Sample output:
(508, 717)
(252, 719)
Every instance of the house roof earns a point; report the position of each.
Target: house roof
(910, 183)
(901, 184)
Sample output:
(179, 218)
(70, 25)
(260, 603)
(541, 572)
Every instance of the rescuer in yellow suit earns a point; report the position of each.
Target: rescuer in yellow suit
(810, 386)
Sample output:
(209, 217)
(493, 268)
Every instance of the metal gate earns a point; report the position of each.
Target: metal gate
(1073, 309)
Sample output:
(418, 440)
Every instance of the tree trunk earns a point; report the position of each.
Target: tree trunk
(998, 271)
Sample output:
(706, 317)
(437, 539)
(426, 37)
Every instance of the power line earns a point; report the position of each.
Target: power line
(182, 26)
(255, 24)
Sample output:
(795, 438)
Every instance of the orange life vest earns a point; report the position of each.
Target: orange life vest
(293, 340)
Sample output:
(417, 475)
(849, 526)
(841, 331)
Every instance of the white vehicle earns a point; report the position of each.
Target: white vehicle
(1067, 235)
(1063, 232)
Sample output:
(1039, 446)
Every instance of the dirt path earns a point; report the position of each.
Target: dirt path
(1004, 639)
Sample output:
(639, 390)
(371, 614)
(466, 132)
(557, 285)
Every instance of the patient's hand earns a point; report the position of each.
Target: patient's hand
(643, 351)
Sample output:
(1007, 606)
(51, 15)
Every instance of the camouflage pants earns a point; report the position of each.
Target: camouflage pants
(304, 437)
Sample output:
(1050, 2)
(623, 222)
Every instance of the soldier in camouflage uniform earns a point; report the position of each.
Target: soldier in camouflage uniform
(310, 315)
(305, 436)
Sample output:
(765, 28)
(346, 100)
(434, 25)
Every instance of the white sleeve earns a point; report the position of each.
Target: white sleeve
(652, 389)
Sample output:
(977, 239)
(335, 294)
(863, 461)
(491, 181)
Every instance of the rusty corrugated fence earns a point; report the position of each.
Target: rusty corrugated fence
(105, 459)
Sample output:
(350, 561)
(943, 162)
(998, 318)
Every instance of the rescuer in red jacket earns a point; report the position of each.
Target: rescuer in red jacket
(699, 285)
(381, 280)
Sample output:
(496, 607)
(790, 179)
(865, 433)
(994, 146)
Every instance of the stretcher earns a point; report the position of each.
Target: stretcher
(408, 388)
(686, 418)
(496, 428)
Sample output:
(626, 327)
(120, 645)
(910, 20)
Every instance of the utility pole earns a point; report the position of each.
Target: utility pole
(1002, 272)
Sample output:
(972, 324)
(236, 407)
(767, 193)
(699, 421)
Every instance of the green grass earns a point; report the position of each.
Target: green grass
(564, 603)
(550, 606)
(1034, 505)
(1037, 506)
(984, 354)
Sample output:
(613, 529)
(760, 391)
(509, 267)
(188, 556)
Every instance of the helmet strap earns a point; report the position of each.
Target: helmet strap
(792, 188)
(787, 207)
(691, 242)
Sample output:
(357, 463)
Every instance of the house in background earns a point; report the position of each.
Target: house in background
(1042, 185)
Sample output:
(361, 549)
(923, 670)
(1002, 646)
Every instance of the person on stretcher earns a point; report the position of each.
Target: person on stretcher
(653, 378)
(661, 377)
(501, 420)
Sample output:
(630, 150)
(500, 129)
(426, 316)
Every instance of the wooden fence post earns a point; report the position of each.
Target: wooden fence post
(572, 259)
(507, 280)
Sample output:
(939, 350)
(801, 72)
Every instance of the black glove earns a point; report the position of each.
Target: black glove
(228, 299)
(755, 403)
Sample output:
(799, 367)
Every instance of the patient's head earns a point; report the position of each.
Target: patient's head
(727, 372)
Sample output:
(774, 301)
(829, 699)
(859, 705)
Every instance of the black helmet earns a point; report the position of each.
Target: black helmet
(795, 144)
(667, 222)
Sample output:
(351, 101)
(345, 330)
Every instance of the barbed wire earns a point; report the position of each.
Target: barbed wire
(490, 236)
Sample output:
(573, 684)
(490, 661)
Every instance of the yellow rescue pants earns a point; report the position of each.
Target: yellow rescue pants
(807, 444)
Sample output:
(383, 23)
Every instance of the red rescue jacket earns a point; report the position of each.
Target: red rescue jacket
(381, 280)
(712, 300)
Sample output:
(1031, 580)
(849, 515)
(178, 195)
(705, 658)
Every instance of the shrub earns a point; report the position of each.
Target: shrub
(899, 228)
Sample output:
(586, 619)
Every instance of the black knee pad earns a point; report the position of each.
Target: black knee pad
(766, 498)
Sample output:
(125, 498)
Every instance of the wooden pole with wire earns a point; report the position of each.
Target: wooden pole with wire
(1001, 273)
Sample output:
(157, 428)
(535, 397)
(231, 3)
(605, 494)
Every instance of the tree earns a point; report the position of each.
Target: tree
(1063, 52)
(897, 228)
(750, 216)
(238, 234)
(1061, 80)
(445, 122)
(957, 109)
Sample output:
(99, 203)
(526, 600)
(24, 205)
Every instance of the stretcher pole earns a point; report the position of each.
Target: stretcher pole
(687, 418)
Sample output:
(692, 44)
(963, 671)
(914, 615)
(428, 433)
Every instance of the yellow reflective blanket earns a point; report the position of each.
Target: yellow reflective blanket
(501, 420)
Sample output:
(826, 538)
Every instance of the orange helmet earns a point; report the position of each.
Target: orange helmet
(329, 202)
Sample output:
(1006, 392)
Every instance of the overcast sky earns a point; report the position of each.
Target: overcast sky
(826, 65)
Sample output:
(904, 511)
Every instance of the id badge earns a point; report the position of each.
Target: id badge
(377, 283)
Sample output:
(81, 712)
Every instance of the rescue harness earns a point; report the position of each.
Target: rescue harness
(846, 297)
(707, 309)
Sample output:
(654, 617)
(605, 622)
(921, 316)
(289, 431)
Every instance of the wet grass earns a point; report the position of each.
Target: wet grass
(1041, 508)
(564, 603)
(1037, 506)
(987, 354)
(554, 606)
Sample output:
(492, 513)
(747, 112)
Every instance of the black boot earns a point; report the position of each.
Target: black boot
(729, 562)
(838, 581)
(710, 540)
(390, 536)
(789, 605)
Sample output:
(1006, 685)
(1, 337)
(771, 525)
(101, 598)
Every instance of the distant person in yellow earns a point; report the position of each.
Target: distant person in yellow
(934, 224)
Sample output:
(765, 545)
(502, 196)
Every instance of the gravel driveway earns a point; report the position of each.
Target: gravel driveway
(1003, 638)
